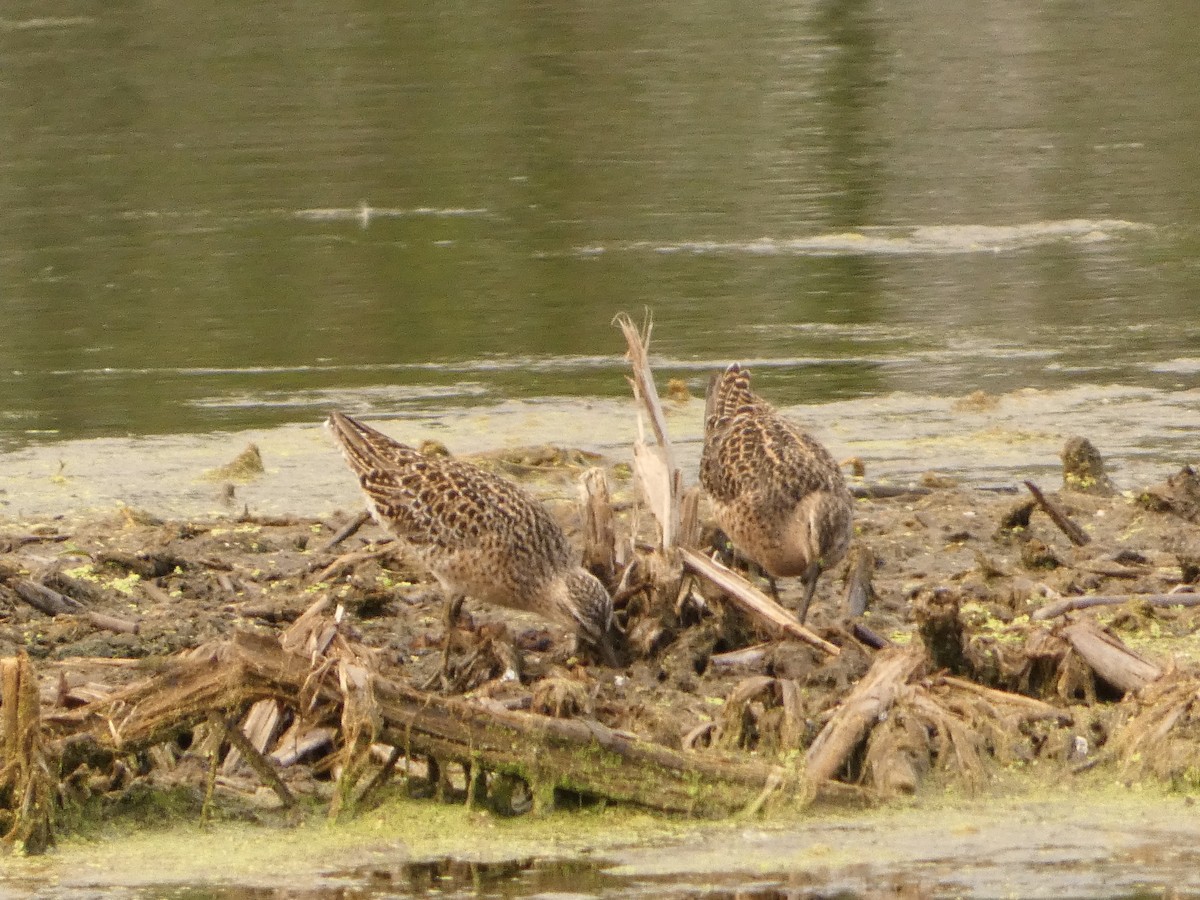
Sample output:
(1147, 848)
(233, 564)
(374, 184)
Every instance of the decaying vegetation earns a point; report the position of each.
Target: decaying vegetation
(273, 664)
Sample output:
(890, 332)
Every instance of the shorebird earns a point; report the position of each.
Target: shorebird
(777, 493)
(478, 534)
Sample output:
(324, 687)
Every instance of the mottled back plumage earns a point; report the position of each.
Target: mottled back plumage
(479, 534)
(776, 491)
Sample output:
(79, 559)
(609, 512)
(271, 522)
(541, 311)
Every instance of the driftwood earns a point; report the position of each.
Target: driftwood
(753, 601)
(1109, 658)
(1074, 533)
(1069, 604)
(551, 754)
(862, 708)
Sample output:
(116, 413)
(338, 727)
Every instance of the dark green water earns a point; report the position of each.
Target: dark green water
(230, 217)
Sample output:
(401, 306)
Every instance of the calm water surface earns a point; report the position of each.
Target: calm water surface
(217, 219)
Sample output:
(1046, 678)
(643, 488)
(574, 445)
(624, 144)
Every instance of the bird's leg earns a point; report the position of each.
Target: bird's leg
(774, 587)
(810, 586)
(453, 608)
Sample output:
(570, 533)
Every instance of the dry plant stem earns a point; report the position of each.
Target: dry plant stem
(352, 559)
(1109, 658)
(871, 698)
(1060, 607)
(1074, 533)
(658, 475)
(753, 601)
(568, 754)
(689, 518)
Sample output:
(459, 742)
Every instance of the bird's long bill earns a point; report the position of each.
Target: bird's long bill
(355, 440)
(606, 649)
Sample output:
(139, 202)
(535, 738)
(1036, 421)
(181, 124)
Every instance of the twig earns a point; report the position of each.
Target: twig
(348, 560)
(754, 601)
(1059, 607)
(262, 768)
(887, 491)
(1074, 533)
(112, 623)
(346, 531)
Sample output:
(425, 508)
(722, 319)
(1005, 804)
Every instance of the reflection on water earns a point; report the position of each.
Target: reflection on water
(583, 879)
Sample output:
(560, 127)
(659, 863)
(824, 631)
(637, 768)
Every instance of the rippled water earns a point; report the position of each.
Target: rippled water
(215, 220)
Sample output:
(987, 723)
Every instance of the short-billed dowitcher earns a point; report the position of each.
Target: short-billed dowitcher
(478, 534)
(777, 493)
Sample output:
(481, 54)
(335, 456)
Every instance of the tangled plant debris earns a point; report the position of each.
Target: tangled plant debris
(257, 667)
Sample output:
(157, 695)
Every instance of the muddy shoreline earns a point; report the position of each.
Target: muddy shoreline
(186, 583)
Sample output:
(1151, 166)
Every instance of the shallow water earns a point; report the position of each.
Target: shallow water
(1088, 846)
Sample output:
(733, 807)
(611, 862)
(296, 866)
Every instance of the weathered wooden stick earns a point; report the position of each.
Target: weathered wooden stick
(1074, 533)
(1034, 708)
(689, 518)
(746, 656)
(643, 378)
(346, 531)
(599, 527)
(112, 623)
(351, 559)
(753, 601)
(858, 583)
(1109, 658)
(259, 763)
(887, 491)
(1059, 607)
(44, 599)
(870, 699)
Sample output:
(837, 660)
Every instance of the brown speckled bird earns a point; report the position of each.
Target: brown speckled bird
(777, 493)
(480, 535)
